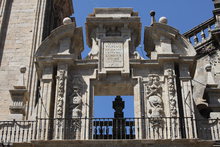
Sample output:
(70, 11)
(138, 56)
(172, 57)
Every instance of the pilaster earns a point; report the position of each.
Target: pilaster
(45, 99)
(171, 100)
(60, 99)
(187, 101)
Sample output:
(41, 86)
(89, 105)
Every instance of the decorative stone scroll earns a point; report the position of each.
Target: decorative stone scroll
(60, 94)
(171, 90)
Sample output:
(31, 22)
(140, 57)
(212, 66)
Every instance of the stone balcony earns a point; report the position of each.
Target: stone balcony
(166, 128)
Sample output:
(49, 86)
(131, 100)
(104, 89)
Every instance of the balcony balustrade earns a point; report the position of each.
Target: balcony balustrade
(201, 33)
(109, 128)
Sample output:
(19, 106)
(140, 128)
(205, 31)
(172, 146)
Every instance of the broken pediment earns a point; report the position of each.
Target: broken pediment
(161, 38)
(64, 40)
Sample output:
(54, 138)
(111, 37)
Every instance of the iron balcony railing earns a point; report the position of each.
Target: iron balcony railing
(109, 128)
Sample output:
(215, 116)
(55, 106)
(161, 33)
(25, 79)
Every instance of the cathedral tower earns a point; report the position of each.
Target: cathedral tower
(23, 25)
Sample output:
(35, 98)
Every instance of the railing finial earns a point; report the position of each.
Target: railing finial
(152, 14)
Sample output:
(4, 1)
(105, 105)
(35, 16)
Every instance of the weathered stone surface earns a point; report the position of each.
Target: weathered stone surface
(21, 24)
(62, 86)
(113, 54)
(118, 143)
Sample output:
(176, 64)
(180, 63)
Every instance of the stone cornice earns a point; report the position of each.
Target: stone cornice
(113, 16)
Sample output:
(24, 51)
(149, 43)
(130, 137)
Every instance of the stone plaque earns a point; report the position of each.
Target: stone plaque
(113, 54)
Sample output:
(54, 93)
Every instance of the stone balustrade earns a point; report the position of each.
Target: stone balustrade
(201, 33)
(109, 128)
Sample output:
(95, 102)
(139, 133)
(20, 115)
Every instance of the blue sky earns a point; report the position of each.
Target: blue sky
(181, 14)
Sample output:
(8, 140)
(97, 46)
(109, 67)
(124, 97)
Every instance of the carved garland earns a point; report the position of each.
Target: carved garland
(171, 89)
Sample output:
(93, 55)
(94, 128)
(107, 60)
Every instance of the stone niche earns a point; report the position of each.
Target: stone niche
(113, 34)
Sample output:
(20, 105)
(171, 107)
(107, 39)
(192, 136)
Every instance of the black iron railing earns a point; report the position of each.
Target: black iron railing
(109, 128)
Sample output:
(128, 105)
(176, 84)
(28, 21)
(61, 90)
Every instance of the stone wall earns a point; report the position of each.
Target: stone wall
(118, 143)
(23, 27)
(16, 48)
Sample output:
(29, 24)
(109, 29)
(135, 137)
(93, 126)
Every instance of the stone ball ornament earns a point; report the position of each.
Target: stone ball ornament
(163, 20)
(23, 69)
(152, 13)
(67, 20)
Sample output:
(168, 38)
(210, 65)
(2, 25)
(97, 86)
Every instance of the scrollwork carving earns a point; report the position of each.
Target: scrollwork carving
(60, 93)
(171, 90)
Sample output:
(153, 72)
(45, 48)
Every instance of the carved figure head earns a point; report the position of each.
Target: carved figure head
(153, 85)
(76, 98)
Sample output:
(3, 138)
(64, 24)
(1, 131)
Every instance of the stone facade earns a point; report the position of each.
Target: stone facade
(24, 24)
(176, 93)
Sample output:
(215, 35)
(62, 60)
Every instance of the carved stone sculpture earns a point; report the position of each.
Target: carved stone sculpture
(60, 96)
(75, 97)
(156, 106)
(76, 103)
(154, 93)
(171, 90)
(93, 54)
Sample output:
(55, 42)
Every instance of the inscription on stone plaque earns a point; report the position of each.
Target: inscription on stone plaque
(113, 54)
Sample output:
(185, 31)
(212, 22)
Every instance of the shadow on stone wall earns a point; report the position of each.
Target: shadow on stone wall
(4, 26)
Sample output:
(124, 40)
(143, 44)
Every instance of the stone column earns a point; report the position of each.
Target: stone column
(60, 100)
(87, 110)
(44, 102)
(187, 101)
